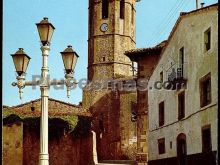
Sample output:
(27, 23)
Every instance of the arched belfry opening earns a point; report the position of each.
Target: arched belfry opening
(105, 4)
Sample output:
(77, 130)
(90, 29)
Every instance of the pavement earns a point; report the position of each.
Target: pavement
(111, 164)
(117, 162)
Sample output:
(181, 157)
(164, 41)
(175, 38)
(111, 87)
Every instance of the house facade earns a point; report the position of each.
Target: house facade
(182, 99)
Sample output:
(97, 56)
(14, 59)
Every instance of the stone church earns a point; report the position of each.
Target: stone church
(110, 94)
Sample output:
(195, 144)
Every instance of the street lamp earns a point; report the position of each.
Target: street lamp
(21, 61)
(69, 57)
(45, 30)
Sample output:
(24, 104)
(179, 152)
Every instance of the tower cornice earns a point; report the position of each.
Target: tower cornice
(111, 34)
(108, 63)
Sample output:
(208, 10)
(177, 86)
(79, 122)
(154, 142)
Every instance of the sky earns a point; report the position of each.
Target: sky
(154, 22)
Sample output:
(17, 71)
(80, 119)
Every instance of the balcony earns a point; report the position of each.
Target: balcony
(177, 80)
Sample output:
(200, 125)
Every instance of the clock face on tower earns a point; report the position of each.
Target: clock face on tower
(104, 27)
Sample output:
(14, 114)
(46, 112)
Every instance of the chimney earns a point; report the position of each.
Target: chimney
(197, 4)
(202, 5)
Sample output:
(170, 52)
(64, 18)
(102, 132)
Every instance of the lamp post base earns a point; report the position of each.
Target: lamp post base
(43, 159)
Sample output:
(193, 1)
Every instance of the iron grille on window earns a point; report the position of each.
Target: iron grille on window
(179, 72)
(133, 111)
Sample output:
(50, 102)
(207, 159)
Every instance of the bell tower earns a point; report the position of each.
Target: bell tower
(111, 33)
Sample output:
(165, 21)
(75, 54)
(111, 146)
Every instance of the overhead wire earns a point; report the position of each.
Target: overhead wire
(171, 21)
(165, 24)
(160, 25)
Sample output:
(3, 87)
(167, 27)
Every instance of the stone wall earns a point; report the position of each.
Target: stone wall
(21, 146)
(111, 114)
(21, 136)
(106, 49)
(13, 144)
(146, 65)
(63, 150)
(128, 128)
(112, 123)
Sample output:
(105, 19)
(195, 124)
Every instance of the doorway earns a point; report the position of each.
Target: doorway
(181, 149)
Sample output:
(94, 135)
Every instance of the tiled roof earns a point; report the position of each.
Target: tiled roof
(147, 51)
(70, 109)
(200, 9)
(50, 99)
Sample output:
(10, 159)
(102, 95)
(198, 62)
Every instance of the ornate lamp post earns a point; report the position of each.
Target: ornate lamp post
(69, 60)
(21, 61)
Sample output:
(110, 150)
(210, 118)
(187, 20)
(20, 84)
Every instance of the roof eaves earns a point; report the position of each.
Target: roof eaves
(182, 15)
(50, 99)
(146, 50)
(200, 9)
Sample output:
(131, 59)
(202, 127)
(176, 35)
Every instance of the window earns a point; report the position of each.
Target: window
(32, 109)
(207, 39)
(181, 63)
(133, 111)
(171, 145)
(181, 105)
(161, 114)
(132, 14)
(161, 146)
(135, 68)
(161, 76)
(104, 9)
(205, 90)
(206, 139)
(122, 9)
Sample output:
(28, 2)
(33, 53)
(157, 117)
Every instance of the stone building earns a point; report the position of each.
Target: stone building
(182, 91)
(69, 134)
(146, 59)
(111, 33)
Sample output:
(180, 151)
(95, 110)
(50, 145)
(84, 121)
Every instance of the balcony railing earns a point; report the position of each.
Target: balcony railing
(177, 80)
